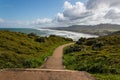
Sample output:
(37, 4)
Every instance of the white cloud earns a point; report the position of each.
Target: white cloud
(10, 23)
(42, 21)
(35, 23)
(113, 14)
(1, 20)
(45, 22)
(60, 17)
(91, 12)
(74, 11)
(67, 5)
(95, 4)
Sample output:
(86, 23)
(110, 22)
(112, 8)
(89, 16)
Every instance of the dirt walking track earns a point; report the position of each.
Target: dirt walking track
(53, 69)
(55, 61)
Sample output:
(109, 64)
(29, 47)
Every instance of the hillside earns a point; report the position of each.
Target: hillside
(19, 50)
(100, 56)
(101, 29)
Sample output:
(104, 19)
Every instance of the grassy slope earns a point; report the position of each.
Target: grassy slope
(18, 50)
(107, 76)
(100, 56)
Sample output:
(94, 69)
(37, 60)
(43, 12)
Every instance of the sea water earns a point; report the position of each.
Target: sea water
(46, 32)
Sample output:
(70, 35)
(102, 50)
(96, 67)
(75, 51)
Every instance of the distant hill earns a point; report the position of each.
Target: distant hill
(101, 29)
(115, 33)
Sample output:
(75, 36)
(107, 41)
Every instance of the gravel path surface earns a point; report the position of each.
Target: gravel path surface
(44, 74)
(55, 61)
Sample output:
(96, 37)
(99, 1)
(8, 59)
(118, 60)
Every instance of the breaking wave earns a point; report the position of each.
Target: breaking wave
(67, 34)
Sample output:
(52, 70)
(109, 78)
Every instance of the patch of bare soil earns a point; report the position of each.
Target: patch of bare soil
(44, 74)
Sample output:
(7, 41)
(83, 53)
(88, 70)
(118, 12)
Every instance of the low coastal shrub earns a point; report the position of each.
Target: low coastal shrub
(97, 55)
(19, 50)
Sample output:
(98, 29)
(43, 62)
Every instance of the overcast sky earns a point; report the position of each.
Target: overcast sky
(58, 13)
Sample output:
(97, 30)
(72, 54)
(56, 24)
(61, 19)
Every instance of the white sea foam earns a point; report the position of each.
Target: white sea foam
(73, 35)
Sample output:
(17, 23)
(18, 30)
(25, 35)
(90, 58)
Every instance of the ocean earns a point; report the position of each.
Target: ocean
(46, 32)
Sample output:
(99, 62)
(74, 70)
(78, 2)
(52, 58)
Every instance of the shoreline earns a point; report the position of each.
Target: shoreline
(47, 32)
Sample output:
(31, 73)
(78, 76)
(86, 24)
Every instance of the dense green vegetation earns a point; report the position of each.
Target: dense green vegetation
(99, 56)
(19, 50)
(107, 76)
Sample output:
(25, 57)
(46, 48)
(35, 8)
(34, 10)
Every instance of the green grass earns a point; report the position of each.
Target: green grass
(107, 76)
(99, 56)
(19, 50)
